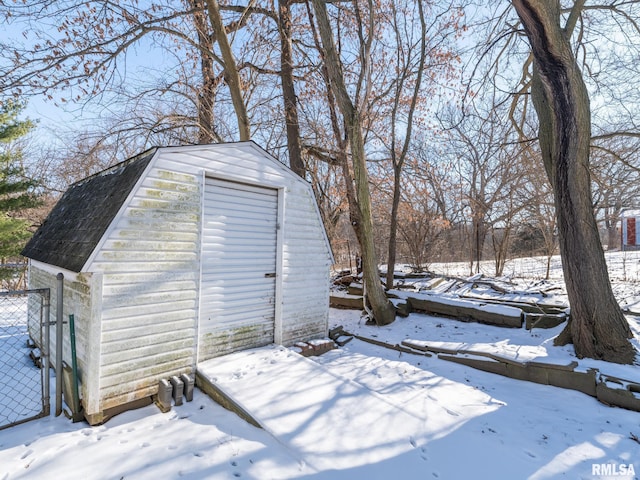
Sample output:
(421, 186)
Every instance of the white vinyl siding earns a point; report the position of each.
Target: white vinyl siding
(150, 287)
(305, 282)
(79, 295)
(237, 299)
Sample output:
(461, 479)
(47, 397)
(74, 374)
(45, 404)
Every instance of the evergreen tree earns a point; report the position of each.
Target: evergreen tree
(17, 191)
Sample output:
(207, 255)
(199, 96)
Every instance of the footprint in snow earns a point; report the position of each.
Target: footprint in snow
(451, 412)
(424, 454)
(26, 454)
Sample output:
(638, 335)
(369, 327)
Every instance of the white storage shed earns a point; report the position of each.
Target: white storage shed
(179, 255)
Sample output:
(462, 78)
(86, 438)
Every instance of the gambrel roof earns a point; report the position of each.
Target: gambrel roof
(76, 224)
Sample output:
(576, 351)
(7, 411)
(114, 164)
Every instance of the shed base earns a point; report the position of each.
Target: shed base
(101, 417)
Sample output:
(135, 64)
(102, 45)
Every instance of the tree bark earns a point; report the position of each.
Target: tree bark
(231, 74)
(478, 238)
(393, 226)
(383, 309)
(288, 89)
(206, 95)
(597, 327)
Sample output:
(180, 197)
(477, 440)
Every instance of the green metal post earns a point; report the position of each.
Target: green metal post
(74, 369)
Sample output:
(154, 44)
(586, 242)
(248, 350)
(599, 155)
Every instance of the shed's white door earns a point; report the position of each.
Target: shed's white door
(237, 298)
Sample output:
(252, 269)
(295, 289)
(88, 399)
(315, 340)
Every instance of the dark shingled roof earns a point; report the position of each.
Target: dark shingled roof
(76, 224)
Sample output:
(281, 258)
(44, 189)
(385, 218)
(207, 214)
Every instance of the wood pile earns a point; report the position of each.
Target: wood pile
(459, 298)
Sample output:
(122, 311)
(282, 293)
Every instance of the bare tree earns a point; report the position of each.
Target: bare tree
(84, 49)
(360, 203)
(597, 328)
(539, 221)
(231, 74)
(485, 151)
(294, 144)
(210, 79)
(420, 225)
(428, 54)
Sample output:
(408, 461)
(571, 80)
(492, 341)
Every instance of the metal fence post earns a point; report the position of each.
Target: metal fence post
(59, 340)
(45, 349)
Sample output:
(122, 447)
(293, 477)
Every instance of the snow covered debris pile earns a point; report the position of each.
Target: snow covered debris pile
(474, 299)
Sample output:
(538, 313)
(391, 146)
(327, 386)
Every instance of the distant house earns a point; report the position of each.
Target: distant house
(630, 229)
(179, 255)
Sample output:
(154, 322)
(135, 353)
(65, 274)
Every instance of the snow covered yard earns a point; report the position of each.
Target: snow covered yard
(472, 424)
(476, 425)
(197, 440)
(492, 426)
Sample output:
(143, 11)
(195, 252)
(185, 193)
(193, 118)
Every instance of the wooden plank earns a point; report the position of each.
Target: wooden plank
(468, 311)
(346, 301)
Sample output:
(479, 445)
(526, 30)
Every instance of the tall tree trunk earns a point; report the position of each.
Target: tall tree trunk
(501, 247)
(206, 95)
(383, 309)
(393, 226)
(231, 74)
(288, 89)
(479, 235)
(597, 327)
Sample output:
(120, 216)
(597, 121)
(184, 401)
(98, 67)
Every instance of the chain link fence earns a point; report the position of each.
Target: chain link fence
(24, 356)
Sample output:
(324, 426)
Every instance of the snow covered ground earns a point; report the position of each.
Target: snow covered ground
(472, 424)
